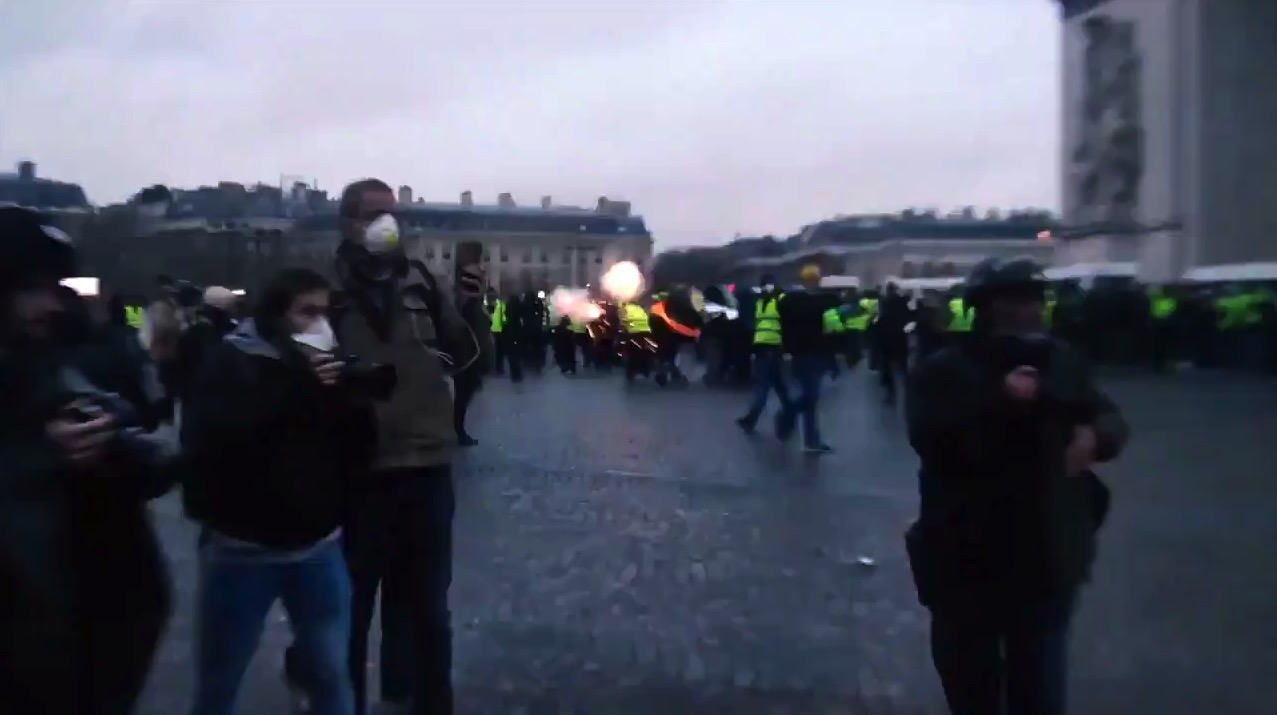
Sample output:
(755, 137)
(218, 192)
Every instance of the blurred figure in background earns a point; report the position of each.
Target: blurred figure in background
(83, 589)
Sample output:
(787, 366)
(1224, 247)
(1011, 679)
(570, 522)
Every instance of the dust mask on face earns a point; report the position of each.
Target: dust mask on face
(769, 287)
(318, 335)
(382, 235)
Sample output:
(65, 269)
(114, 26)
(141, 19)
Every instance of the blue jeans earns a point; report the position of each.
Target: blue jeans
(808, 371)
(767, 377)
(238, 585)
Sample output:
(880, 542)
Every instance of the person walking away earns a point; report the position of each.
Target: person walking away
(400, 530)
(892, 340)
(496, 307)
(1008, 425)
(83, 590)
(769, 356)
(273, 433)
(803, 318)
(565, 346)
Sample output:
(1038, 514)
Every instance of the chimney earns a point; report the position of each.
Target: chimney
(505, 201)
(405, 194)
(26, 171)
(602, 207)
(546, 202)
(467, 199)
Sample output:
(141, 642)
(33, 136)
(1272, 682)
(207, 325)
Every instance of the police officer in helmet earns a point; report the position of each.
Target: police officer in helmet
(1007, 425)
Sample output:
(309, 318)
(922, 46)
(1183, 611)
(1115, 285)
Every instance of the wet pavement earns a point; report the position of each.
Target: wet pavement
(630, 551)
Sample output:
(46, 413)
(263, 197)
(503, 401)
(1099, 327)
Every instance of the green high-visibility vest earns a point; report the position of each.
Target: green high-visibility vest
(1162, 306)
(134, 315)
(767, 322)
(832, 322)
(961, 318)
(498, 316)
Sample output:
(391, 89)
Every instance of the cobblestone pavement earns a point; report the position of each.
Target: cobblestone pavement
(629, 551)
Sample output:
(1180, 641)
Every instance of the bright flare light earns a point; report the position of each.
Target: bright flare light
(575, 304)
(87, 287)
(623, 281)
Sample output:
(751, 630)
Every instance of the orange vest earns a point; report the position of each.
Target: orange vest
(658, 309)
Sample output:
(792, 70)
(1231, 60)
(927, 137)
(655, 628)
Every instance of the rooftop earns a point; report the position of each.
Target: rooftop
(24, 188)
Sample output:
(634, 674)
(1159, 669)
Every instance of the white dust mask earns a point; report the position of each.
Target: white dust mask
(382, 235)
(319, 335)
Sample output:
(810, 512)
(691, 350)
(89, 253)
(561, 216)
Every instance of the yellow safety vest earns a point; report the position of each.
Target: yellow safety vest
(832, 322)
(498, 316)
(134, 315)
(576, 326)
(636, 319)
(767, 322)
(961, 318)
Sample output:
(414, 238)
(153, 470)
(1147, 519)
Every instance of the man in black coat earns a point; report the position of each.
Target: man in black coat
(1007, 425)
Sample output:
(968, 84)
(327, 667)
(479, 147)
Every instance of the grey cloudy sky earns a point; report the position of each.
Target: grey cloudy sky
(712, 116)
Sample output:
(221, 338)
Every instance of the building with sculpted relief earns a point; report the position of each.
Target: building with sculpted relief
(1169, 153)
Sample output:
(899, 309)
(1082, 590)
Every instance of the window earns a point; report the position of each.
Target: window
(527, 258)
(430, 254)
(598, 259)
(545, 257)
(447, 255)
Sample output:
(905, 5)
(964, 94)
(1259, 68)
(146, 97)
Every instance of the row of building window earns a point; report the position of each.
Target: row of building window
(505, 257)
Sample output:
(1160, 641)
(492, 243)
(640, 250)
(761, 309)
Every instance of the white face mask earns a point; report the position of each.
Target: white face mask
(319, 335)
(382, 235)
(769, 287)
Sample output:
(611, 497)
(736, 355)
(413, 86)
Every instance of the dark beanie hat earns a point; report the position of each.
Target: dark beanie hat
(32, 250)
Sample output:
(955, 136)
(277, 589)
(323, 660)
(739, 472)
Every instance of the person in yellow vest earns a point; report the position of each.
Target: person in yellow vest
(580, 331)
(836, 332)
(1162, 308)
(855, 321)
(768, 355)
(640, 349)
(497, 307)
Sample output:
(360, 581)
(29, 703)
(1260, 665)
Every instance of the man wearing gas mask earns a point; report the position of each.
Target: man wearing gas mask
(275, 427)
(1007, 424)
(83, 590)
(396, 313)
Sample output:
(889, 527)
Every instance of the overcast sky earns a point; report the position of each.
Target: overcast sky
(712, 116)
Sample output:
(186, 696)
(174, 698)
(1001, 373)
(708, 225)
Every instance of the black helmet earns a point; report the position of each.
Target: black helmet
(32, 249)
(993, 276)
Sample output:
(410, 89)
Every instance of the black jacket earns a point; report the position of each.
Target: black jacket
(1000, 517)
(83, 588)
(802, 320)
(268, 449)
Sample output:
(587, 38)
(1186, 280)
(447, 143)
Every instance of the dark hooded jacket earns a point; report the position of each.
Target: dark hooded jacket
(1000, 517)
(268, 448)
(83, 588)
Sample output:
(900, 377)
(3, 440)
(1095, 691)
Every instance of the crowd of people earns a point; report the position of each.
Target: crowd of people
(312, 435)
(312, 440)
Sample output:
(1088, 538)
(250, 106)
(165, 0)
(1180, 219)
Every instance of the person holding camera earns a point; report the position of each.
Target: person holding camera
(83, 589)
(396, 313)
(1007, 424)
(273, 429)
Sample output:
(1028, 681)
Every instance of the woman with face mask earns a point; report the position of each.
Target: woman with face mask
(271, 432)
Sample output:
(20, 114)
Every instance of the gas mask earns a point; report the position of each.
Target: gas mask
(318, 335)
(382, 235)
